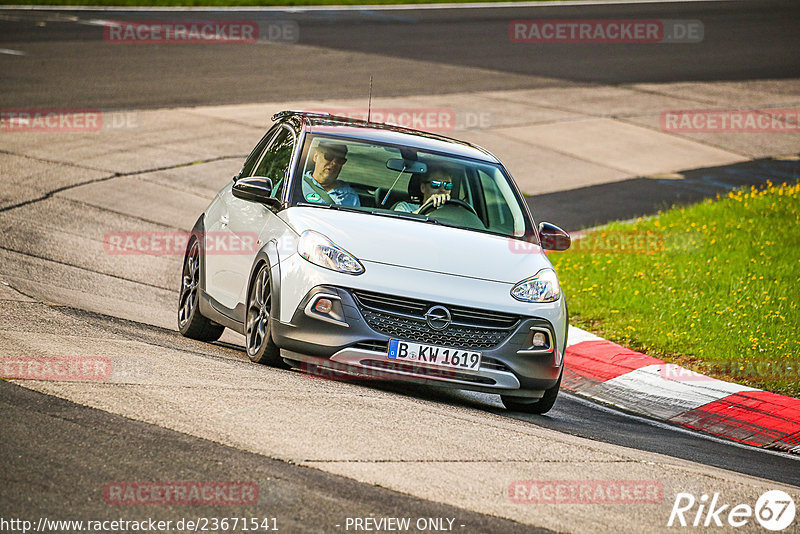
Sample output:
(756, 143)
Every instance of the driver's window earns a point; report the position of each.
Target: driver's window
(257, 153)
(275, 162)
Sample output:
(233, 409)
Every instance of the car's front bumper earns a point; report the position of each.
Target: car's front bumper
(354, 338)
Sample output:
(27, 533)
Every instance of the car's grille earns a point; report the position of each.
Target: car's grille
(404, 318)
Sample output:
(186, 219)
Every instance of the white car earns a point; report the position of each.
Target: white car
(380, 252)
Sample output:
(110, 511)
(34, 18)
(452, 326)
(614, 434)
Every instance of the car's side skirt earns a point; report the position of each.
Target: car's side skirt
(213, 310)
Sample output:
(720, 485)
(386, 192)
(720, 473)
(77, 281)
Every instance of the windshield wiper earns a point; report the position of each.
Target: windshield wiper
(402, 215)
(332, 207)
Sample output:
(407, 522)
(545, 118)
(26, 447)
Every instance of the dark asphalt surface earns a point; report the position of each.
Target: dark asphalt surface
(56, 456)
(580, 417)
(67, 62)
(79, 450)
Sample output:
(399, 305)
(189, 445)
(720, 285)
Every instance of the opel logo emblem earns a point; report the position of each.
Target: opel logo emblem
(438, 317)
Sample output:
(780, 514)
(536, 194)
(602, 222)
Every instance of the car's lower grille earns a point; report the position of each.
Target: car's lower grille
(427, 371)
(404, 318)
(377, 346)
(495, 365)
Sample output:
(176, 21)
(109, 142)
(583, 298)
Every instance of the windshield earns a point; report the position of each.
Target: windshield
(387, 180)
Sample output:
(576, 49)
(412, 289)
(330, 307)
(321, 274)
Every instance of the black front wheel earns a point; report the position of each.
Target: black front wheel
(190, 322)
(260, 346)
(537, 406)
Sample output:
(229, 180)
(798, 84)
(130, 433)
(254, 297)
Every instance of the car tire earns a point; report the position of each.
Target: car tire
(258, 325)
(537, 406)
(191, 323)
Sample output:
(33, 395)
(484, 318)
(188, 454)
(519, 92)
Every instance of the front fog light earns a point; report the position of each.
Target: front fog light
(542, 287)
(324, 306)
(539, 339)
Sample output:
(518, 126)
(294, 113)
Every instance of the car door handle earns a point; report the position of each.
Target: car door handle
(223, 219)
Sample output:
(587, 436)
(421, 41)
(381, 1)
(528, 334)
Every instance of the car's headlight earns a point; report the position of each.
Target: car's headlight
(321, 251)
(542, 287)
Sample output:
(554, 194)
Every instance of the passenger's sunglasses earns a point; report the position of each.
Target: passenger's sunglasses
(438, 184)
(331, 157)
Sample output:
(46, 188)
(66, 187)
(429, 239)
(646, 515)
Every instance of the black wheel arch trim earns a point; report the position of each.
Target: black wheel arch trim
(198, 230)
(269, 256)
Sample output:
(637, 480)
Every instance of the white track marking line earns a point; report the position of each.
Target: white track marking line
(577, 335)
(97, 22)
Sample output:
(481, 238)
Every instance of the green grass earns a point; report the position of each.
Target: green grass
(229, 3)
(713, 287)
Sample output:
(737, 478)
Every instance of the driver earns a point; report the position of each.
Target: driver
(329, 157)
(435, 187)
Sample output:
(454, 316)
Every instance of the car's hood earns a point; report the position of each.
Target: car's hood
(420, 245)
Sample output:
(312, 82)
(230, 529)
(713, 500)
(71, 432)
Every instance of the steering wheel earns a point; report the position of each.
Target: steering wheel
(429, 207)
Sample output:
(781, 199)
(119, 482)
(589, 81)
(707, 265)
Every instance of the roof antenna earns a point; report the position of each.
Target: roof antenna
(369, 104)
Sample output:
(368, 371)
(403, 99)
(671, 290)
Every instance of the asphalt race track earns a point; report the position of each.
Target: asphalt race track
(408, 52)
(323, 451)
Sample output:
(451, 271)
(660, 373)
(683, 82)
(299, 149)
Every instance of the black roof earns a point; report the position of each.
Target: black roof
(317, 122)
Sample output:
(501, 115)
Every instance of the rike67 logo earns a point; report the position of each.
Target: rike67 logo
(774, 510)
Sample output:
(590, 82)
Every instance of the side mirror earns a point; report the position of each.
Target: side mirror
(255, 189)
(552, 237)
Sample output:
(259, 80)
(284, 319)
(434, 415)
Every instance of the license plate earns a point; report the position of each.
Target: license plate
(433, 355)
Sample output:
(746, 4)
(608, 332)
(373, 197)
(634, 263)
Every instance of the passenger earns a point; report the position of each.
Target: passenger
(434, 187)
(329, 157)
